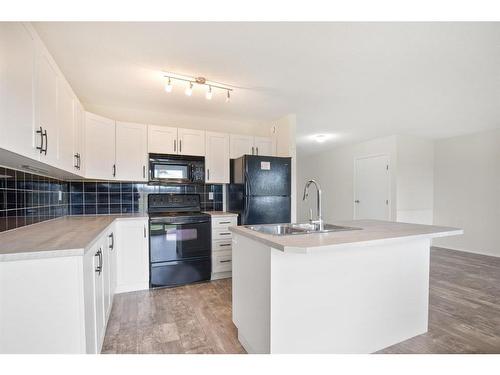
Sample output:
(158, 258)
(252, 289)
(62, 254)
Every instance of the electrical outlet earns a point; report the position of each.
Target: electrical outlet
(210, 196)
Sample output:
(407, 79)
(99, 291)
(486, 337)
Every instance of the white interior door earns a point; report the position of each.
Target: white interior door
(371, 188)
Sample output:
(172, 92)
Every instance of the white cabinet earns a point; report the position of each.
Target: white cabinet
(217, 158)
(99, 296)
(131, 152)
(132, 255)
(162, 139)
(46, 106)
(222, 245)
(66, 126)
(79, 139)
(241, 145)
(99, 147)
(191, 142)
(264, 146)
(248, 145)
(17, 60)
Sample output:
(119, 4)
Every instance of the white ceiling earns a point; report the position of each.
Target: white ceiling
(354, 80)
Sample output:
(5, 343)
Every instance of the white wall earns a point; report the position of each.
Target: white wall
(334, 170)
(415, 180)
(467, 191)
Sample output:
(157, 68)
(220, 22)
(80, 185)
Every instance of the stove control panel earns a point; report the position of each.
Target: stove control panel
(173, 202)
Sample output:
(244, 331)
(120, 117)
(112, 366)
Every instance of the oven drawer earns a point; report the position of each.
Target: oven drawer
(224, 221)
(180, 272)
(222, 261)
(222, 245)
(221, 234)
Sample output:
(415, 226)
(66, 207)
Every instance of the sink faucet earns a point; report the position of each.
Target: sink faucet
(319, 221)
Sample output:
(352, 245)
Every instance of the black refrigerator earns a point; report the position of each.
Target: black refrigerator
(260, 189)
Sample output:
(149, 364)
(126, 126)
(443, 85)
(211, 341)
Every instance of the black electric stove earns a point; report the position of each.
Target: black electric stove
(179, 240)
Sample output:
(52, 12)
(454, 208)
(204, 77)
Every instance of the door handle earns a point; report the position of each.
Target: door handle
(356, 201)
(114, 170)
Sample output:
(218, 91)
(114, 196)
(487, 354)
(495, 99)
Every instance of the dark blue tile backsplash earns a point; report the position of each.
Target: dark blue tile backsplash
(27, 198)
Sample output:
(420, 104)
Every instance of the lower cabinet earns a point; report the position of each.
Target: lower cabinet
(62, 304)
(222, 255)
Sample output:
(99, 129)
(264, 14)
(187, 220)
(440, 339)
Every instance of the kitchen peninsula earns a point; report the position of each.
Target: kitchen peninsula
(354, 291)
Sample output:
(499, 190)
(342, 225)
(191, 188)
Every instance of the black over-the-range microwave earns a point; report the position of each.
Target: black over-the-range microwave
(178, 169)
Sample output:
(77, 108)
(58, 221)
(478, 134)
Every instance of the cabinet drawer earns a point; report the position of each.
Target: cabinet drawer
(222, 261)
(224, 221)
(221, 234)
(222, 245)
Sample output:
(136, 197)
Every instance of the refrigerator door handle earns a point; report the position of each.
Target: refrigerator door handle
(247, 184)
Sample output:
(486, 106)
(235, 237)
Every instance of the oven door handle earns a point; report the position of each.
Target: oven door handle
(160, 221)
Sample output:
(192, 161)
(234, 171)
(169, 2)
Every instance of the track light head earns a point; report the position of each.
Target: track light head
(189, 89)
(208, 95)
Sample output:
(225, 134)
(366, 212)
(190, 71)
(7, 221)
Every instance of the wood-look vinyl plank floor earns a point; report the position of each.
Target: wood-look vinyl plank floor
(464, 314)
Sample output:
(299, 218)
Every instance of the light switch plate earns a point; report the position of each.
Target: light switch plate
(210, 196)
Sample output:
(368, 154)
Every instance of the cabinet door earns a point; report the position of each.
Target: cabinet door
(99, 147)
(217, 158)
(106, 276)
(241, 145)
(46, 105)
(111, 244)
(132, 255)
(191, 142)
(131, 153)
(66, 126)
(78, 139)
(264, 146)
(162, 140)
(99, 297)
(17, 51)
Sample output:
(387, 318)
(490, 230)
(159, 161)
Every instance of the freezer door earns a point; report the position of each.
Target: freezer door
(267, 175)
(266, 210)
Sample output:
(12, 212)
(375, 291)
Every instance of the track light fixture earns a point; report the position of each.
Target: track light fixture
(202, 81)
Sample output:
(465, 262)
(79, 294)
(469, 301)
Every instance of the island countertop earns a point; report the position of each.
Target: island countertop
(372, 232)
(65, 236)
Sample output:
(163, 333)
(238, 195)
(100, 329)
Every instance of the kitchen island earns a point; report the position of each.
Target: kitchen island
(355, 291)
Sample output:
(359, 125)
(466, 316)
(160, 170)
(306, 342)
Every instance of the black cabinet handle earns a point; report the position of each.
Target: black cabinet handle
(114, 170)
(41, 140)
(79, 161)
(44, 134)
(175, 145)
(112, 238)
(257, 150)
(76, 161)
(225, 233)
(224, 222)
(180, 145)
(225, 244)
(143, 171)
(253, 150)
(208, 174)
(226, 261)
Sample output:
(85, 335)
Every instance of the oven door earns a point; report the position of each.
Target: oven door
(171, 172)
(179, 241)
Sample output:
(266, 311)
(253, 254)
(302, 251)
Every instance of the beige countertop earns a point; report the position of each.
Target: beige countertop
(66, 236)
(372, 231)
(220, 213)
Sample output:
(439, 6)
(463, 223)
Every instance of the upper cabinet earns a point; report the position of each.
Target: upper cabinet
(217, 158)
(17, 61)
(99, 147)
(250, 145)
(241, 145)
(191, 142)
(131, 152)
(162, 139)
(79, 139)
(46, 106)
(264, 146)
(66, 126)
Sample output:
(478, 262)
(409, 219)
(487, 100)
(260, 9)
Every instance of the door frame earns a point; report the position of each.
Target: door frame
(389, 179)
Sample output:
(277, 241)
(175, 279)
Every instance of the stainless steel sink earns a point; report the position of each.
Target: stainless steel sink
(297, 228)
